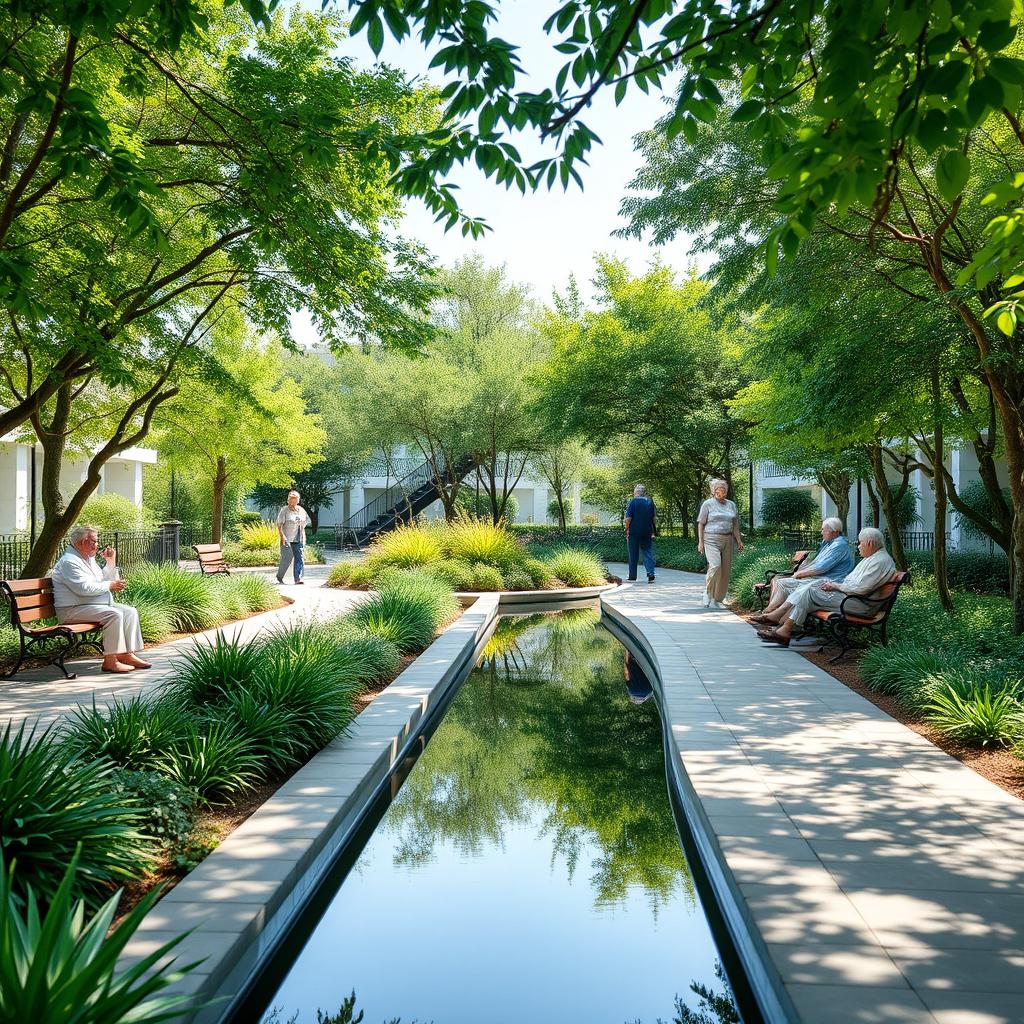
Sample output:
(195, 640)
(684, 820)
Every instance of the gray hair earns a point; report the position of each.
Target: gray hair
(873, 536)
(296, 493)
(639, 491)
(834, 523)
(719, 482)
(79, 533)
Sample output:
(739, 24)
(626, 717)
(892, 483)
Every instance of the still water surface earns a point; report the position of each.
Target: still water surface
(529, 868)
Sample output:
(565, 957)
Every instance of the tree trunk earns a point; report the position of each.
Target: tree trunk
(939, 483)
(837, 487)
(889, 505)
(314, 518)
(220, 482)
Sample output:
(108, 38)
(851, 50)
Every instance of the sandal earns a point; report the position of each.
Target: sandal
(763, 620)
(773, 636)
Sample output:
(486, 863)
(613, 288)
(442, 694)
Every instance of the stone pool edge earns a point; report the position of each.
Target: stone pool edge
(762, 976)
(242, 898)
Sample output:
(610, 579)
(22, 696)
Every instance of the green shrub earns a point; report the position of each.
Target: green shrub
(168, 810)
(156, 620)
(205, 672)
(229, 596)
(259, 558)
(132, 733)
(362, 575)
(188, 596)
(115, 512)
(477, 540)
(518, 578)
(340, 574)
(576, 567)
(479, 506)
(362, 656)
(54, 800)
(408, 610)
(60, 966)
(983, 716)
(899, 669)
(456, 573)
(790, 507)
(256, 593)
(974, 571)
(744, 577)
(567, 511)
(255, 536)
(540, 575)
(406, 547)
(976, 497)
(487, 577)
(271, 728)
(215, 760)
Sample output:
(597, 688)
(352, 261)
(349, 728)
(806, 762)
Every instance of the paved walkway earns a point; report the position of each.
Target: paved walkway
(45, 695)
(885, 878)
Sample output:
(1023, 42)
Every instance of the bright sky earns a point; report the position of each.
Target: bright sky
(544, 236)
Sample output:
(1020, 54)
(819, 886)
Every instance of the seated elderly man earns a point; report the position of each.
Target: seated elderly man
(83, 592)
(833, 562)
(875, 568)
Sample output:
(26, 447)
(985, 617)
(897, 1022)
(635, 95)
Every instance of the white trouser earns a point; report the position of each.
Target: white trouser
(810, 598)
(120, 622)
(786, 585)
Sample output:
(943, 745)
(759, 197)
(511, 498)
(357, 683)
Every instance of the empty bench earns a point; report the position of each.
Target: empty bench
(32, 601)
(211, 559)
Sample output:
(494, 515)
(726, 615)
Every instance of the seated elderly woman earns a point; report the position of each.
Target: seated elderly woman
(875, 568)
(833, 562)
(83, 592)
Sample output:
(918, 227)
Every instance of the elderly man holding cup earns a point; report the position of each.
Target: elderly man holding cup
(83, 592)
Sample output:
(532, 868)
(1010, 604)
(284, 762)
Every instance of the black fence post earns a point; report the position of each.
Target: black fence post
(171, 536)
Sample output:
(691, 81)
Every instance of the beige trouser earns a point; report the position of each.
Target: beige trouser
(718, 551)
(786, 585)
(811, 598)
(120, 622)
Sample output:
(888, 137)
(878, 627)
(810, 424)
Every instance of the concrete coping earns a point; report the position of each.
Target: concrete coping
(241, 900)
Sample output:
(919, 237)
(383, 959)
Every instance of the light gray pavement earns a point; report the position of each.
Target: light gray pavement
(44, 695)
(885, 877)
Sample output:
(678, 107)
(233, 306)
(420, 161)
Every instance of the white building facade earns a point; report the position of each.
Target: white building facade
(121, 475)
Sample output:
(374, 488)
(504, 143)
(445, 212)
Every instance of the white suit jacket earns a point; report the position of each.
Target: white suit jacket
(869, 574)
(80, 581)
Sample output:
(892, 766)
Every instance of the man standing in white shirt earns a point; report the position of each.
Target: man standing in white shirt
(875, 568)
(83, 592)
(292, 521)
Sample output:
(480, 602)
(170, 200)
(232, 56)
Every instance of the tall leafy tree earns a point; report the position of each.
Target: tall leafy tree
(264, 194)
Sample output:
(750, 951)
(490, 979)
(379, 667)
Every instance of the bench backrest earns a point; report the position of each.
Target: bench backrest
(211, 557)
(30, 600)
(799, 557)
(885, 595)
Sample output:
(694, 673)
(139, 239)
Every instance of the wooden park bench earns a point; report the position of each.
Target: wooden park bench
(32, 601)
(762, 591)
(836, 626)
(211, 559)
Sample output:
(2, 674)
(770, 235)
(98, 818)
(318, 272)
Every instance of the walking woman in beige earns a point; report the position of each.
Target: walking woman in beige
(718, 531)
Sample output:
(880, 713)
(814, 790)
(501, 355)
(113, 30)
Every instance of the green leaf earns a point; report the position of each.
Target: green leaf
(748, 110)
(951, 174)
(931, 132)
(1006, 322)
(375, 35)
(1007, 69)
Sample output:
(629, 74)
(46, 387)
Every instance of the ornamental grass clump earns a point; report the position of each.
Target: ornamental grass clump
(214, 759)
(188, 596)
(576, 567)
(254, 536)
(58, 965)
(981, 717)
(54, 801)
(487, 577)
(477, 540)
(131, 733)
(408, 610)
(256, 592)
(156, 620)
(453, 571)
(406, 547)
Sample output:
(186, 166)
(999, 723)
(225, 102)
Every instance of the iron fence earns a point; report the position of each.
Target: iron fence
(133, 547)
(917, 540)
(798, 540)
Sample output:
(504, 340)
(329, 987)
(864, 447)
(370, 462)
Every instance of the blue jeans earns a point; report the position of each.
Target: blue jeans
(291, 554)
(635, 544)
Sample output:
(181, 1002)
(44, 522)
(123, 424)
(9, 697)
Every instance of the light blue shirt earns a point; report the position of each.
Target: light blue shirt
(834, 561)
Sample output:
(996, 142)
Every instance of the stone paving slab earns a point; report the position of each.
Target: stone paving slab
(44, 696)
(882, 881)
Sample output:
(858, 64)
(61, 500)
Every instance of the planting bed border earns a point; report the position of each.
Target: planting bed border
(242, 899)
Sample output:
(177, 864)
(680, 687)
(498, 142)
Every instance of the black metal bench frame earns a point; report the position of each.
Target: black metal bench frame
(30, 640)
(762, 590)
(836, 628)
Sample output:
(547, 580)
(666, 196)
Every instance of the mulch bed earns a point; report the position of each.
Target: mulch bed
(998, 765)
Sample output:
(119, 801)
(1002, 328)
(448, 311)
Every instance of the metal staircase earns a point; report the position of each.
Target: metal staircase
(399, 503)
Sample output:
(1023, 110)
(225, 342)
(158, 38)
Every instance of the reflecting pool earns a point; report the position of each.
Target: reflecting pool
(529, 867)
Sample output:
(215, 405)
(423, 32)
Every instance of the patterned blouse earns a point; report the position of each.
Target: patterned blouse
(719, 517)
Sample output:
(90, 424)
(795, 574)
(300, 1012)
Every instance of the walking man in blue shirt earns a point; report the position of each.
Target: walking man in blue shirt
(640, 530)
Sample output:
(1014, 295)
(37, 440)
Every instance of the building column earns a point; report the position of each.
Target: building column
(356, 500)
(541, 497)
(22, 486)
(137, 485)
(954, 470)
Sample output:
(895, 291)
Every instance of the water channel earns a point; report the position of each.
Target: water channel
(529, 868)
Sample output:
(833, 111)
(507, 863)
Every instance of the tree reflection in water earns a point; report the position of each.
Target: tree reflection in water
(544, 729)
